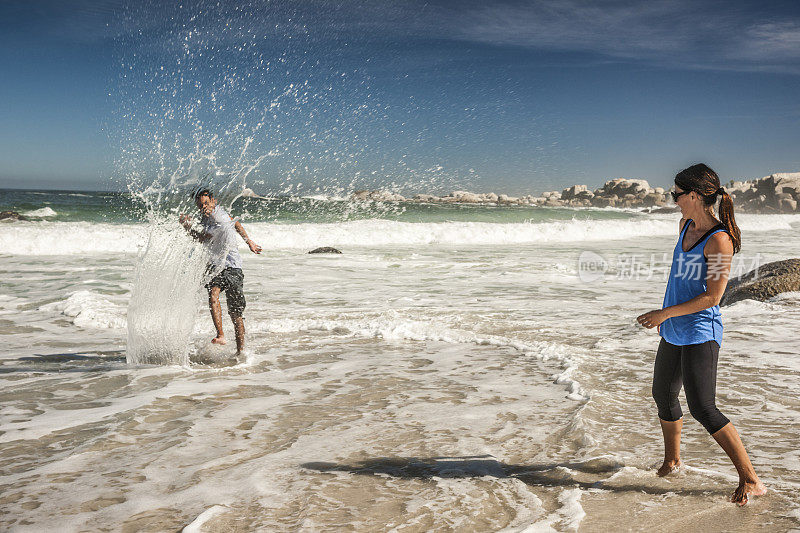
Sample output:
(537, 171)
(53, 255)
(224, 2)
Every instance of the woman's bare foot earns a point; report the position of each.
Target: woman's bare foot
(745, 488)
(219, 339)
(669, 467)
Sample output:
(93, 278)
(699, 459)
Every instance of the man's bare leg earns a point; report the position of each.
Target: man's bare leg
(238, 328)
(216, 314)
(728, 438)
(672, 446)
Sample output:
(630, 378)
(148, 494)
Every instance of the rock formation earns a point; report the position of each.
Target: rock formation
(12, 215)
(325, 250)
(777, 193)
(764, 282)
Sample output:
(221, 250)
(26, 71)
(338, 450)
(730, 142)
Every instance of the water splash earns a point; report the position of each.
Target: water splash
(165, 298)
(172, 268)
(227, 96)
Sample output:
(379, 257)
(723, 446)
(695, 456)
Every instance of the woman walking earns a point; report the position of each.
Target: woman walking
(690, 324)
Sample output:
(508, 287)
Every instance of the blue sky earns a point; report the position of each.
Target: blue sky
(504, 96)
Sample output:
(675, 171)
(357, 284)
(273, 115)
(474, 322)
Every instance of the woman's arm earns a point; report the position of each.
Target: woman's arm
(719, 254)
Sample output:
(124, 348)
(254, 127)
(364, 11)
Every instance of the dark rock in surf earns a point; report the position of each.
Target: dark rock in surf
(12, 215)
(764, 282)
(325, 250)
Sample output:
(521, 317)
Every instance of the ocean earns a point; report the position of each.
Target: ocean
(456, 368)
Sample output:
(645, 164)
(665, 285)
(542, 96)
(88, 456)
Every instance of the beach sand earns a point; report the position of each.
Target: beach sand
(396, 387)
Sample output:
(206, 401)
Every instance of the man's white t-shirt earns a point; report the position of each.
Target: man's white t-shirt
(223, 244)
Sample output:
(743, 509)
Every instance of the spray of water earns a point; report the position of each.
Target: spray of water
(234, 97)
(172, 268)
(163, 305)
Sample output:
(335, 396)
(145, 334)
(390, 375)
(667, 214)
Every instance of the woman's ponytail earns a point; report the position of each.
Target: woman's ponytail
(727, 219)
(705, 182)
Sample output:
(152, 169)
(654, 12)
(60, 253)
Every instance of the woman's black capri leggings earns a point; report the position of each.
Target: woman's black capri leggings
(695, 367)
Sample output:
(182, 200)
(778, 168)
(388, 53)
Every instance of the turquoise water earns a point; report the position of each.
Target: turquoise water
(73, 206)
(114, 207)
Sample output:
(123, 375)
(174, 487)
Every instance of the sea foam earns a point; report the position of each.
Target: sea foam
(89, 310)
(81, 238)
(70, 238)
(41, 213)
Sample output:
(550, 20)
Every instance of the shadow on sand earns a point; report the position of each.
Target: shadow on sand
(98, 361)
(544, 475)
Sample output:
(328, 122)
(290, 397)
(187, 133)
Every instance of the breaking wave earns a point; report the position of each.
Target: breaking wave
(77, 238)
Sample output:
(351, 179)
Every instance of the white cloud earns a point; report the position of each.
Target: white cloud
(772, 41)
(615, 29)
(707, 34)
(676, 33)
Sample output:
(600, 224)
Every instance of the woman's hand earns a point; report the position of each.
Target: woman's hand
(652, 318)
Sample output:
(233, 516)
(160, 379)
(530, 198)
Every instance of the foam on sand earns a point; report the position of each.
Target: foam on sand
(567, 518)
(197, 524)
(389, 328)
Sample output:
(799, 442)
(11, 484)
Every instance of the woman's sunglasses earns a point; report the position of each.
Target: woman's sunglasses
(676, 195)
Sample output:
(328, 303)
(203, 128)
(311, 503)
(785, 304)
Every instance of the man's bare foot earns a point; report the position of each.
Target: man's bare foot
(669, 467)
(745, 488)
(219, 339)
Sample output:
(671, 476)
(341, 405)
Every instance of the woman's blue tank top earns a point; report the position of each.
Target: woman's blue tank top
(687, 279)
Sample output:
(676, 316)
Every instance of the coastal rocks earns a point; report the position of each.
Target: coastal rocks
(572, 192)
(622, 187)
(618, 192)
(425, 198)
(777, 193)
(764, 282)
(578, 196)
(12, 216)
(777, 184)
(325, 250)
(466, 197)
(504, 199)
(378, 196)
(787, 205)
(604, 201)
(654, 199)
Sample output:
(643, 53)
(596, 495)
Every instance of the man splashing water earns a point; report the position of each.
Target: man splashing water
(219, 235)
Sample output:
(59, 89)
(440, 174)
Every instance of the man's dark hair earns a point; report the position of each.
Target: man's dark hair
(202, 192)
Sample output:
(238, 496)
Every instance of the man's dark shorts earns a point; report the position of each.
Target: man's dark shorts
(231, 280)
